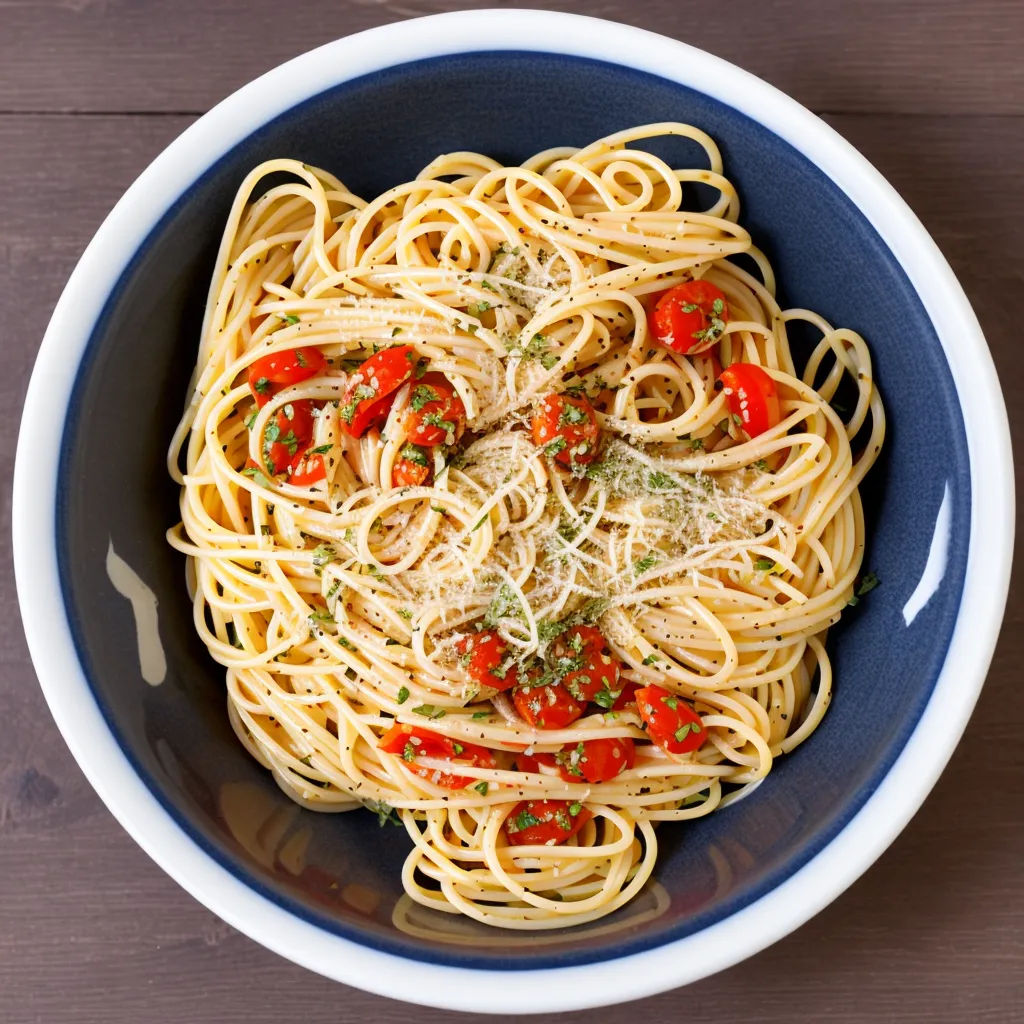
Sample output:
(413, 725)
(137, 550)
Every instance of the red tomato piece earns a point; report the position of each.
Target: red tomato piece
(752, 396)
(566, 428)
(287, 434)
(436, 413)
(583, 660)
(406, 473)
(690, 317)
(545, 822)
(370, 391)
(413, 742)
(307, 470)
(485, 657)
(288, 366)
(591, 760)
(547, 707)
(627, 697)
(670, 721)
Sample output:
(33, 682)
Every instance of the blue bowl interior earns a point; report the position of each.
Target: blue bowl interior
(375, 132)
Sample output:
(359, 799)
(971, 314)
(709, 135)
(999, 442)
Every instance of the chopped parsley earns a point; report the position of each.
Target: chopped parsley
(523, 820)
(403, 695)
(554, 447)
(651, 659)
(868, 583)
(361, 394)
(322, 450)
(481, 788)
(414, 453)
(683, 731)
(386, 814)
(257, 476)
(429, 711)
(289, 318)
(642, 565)
(422, 394)
(435, 419)
(504, 604)
(262, 385)
(765, 565)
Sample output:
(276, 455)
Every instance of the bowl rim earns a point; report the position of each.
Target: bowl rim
(678, 962)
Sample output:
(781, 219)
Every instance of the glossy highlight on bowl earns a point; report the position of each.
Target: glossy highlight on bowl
(324, 890)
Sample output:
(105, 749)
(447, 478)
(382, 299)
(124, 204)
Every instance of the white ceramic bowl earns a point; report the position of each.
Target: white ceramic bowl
(147, 819)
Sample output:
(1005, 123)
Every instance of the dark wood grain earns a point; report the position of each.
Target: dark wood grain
(92, 932)
(921, 56)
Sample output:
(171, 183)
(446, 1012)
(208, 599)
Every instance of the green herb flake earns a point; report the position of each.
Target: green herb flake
(429, 711)
(523, 820)
(422, 394)
(651, 659)
(415, 454)
(257, 476)
(403, 695)
(482, 787)
(645, 564)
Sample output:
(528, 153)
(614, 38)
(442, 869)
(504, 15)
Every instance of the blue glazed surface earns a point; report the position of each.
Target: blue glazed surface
(376, 132)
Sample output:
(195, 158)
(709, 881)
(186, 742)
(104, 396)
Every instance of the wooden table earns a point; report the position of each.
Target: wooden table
(932, 91)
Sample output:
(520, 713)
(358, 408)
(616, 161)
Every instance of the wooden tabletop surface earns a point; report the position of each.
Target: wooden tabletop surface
(91, 931)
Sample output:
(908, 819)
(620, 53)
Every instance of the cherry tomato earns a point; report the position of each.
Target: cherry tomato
(547, 707)
(627, 697)
(690, 317)
(307, 470)
(752, 396)
(412, 742)
(288, 366)
(583, 660)
(592, 760)
(670, 721)
(545, 822)
(406, 473)
(566, 428)
(436, 413)
(484, 657)
(370, 392)
(287, 434)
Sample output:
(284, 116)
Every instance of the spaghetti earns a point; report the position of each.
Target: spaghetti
(509, 514)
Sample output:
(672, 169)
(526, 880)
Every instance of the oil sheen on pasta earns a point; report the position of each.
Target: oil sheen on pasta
(345, 575)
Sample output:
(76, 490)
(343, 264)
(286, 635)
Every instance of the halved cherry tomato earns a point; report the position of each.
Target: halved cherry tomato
(307, 470)
(545, 822)
(593, 760)
(566, 428)
(412, 742)
(547, 707)
(484, 656)
(436, 413)
(584, 662)
(370, 392)
(670, 721)
(288, 366)
(627, 697)
(690, 317)
(752, 396)
(287, 434)
(406, 473)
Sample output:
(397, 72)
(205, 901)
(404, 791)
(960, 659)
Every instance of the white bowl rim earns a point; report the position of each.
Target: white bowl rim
(679, 962)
